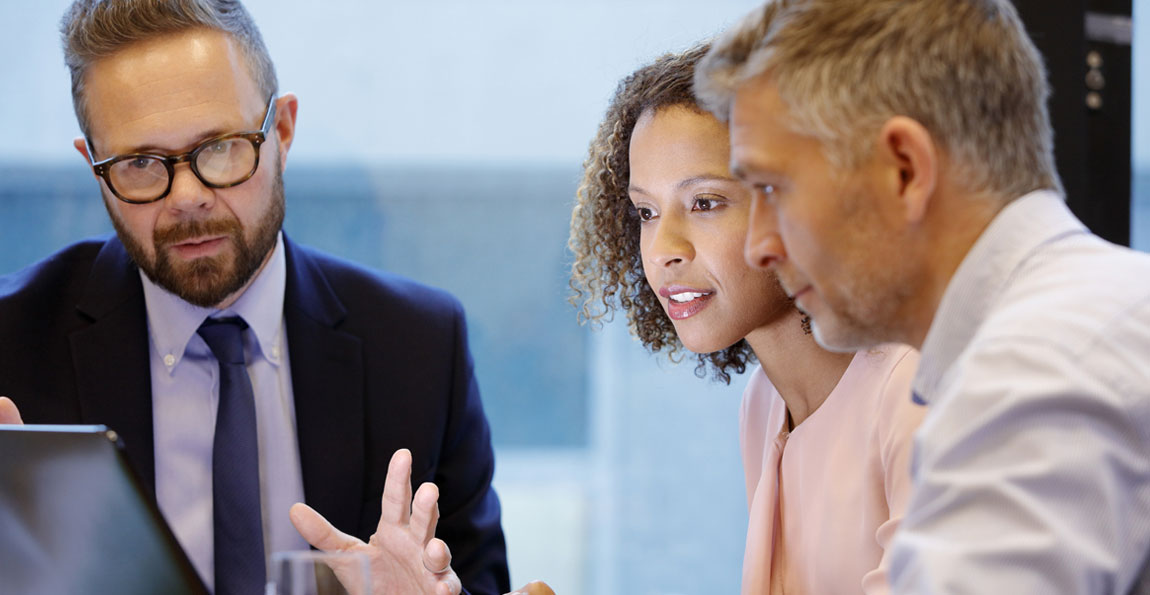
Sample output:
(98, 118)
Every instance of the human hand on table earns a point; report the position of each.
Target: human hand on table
(403, 554)
(8, 412)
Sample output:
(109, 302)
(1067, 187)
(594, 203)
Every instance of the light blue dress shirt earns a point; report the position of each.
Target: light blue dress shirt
(185, 392)
(1032, 467)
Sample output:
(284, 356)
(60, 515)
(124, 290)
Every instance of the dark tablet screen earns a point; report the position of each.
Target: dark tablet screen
(74, 519)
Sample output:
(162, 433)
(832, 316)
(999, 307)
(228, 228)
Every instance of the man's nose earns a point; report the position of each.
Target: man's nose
(764, 246)
(188, 193)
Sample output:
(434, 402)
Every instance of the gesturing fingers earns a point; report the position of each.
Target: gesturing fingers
(405, 540)
(425, 512)
(436, 557)
(317, 531)
(449, 585)
(396, 503)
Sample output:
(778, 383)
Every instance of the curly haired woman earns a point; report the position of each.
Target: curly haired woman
(657, 232)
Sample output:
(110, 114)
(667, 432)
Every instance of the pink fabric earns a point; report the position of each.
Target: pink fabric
(825, 500)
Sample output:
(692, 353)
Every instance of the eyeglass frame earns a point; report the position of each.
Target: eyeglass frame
(255, 137)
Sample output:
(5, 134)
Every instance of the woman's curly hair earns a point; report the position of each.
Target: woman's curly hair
(608, 268)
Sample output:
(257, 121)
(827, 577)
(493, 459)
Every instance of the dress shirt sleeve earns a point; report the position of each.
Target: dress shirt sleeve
(469, 508)
(898, 419)
(1032, 476)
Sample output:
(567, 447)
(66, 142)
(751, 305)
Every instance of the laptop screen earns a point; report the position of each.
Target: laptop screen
(75, 519)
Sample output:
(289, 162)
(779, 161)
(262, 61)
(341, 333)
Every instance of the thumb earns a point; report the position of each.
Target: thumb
(317, 531)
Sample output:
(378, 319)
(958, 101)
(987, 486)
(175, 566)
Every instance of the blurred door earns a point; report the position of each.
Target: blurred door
(1086, 44)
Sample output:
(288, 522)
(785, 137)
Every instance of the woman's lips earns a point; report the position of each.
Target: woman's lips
(681, 310)
(684, 302)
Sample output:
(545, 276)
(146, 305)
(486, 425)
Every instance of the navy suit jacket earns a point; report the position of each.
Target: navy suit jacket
(378, 363)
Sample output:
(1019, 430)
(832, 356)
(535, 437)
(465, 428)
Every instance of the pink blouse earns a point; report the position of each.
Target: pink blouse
(826, 499)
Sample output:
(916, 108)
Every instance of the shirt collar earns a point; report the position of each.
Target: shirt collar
(1018, 230)
(172, 321)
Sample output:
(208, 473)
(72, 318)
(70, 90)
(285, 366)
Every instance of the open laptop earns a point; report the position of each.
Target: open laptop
(74, 518)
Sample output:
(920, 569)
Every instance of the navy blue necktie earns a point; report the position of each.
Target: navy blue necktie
(239, 537)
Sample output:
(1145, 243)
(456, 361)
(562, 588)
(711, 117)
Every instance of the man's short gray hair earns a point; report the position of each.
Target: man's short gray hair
(95, 29)
(964, 69)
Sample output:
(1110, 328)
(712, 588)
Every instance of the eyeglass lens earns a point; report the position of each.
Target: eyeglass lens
(221, 162)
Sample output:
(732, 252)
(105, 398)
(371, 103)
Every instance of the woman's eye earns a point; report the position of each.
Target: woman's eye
(704, 203)
(644, 213)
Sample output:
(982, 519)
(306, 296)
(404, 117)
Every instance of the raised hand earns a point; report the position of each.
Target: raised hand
(405, 557)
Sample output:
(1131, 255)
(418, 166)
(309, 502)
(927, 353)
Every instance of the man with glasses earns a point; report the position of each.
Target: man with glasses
(244, 372)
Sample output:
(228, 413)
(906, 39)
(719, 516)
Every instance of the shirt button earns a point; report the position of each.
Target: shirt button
(276, 352)
(169, 360)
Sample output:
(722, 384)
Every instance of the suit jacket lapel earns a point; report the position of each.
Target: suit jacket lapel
(110, 356)
(327, 384)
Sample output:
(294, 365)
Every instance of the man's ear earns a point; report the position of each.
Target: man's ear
(286, 107)
(82, 147)
(906, 149)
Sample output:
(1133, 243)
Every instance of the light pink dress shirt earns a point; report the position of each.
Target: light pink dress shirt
(826, 499)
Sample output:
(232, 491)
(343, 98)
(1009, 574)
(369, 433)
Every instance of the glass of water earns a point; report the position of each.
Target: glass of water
(319, 573)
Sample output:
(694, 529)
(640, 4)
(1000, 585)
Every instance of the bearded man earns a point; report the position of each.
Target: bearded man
(187, 137)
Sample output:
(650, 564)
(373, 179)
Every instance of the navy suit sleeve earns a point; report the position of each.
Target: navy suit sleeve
(470, 521)
(380, 362)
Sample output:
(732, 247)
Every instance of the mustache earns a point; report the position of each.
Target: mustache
(186, 230)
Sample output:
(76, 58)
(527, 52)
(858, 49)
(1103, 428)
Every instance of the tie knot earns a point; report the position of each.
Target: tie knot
(225, 337)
